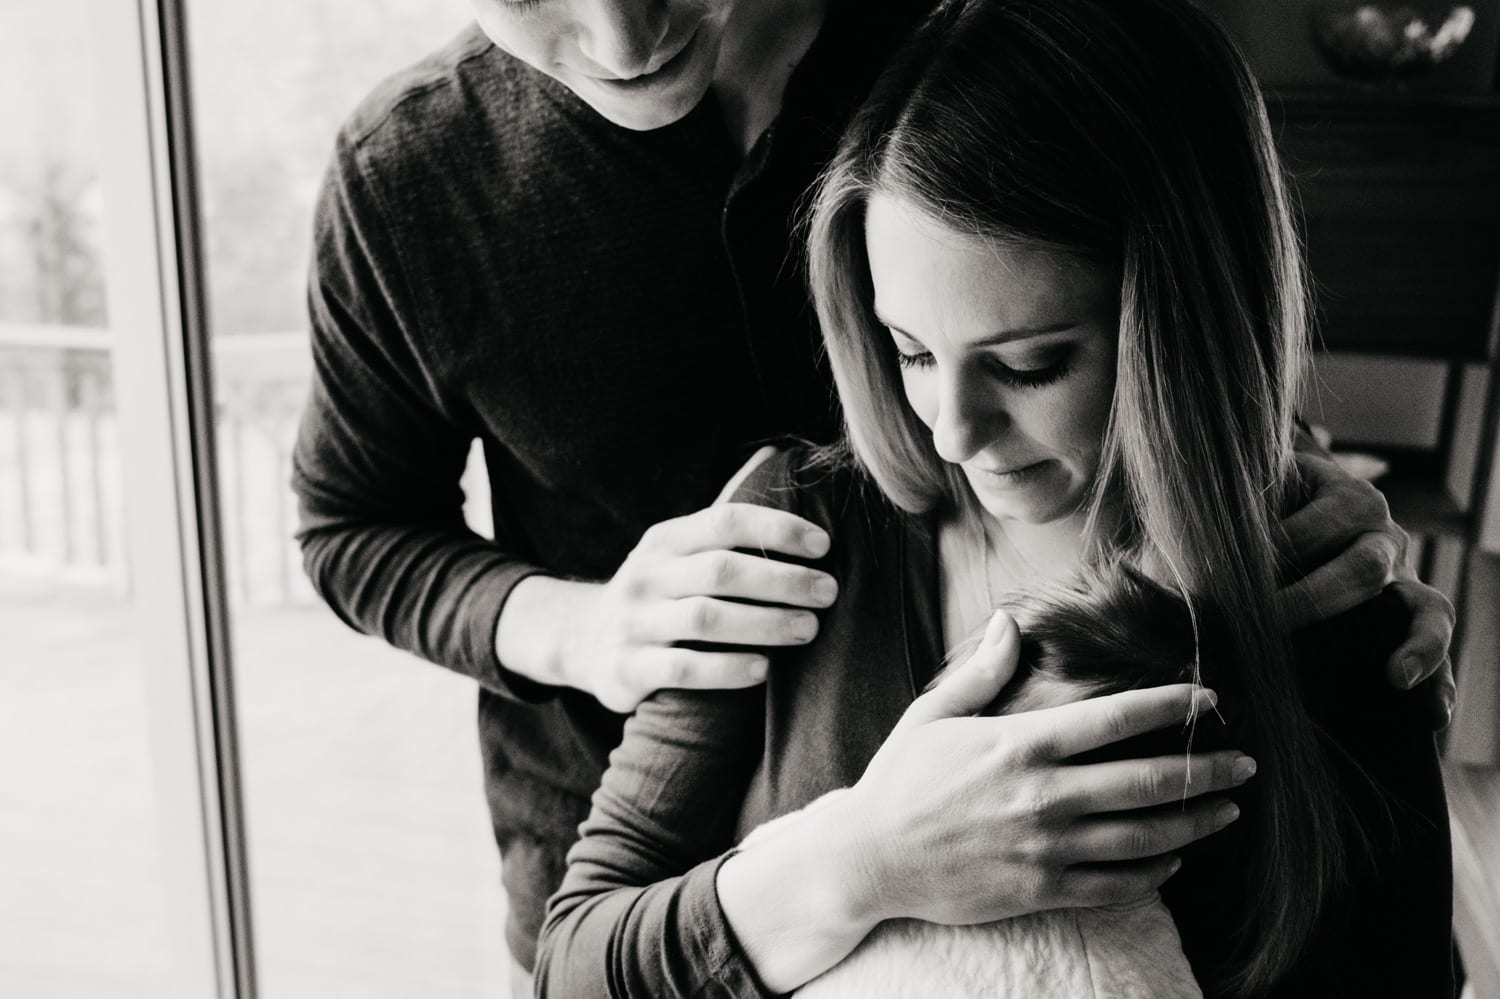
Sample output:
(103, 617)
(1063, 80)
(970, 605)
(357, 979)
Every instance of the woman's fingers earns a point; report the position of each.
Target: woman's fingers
(1148, 833)
(1122, 785)
(1112, 884)
(974, 683)
(1064, 731)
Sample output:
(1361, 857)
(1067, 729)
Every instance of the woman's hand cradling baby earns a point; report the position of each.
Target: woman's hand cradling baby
(963, 820)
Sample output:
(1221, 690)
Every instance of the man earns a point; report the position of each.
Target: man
(570, 235)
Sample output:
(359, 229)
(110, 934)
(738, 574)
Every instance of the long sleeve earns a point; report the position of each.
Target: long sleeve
(380, 451)
(638, 912)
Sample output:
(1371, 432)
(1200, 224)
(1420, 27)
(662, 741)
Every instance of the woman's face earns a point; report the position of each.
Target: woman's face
(1007, 354)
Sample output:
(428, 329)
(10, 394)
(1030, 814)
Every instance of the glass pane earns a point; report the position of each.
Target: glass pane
(373, 870)
(81, 909)
(50, 268)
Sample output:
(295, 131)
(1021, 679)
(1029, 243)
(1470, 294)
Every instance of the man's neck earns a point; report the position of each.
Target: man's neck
(763, 42)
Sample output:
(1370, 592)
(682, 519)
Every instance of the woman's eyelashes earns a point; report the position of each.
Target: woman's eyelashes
(1049, 370)
(1034, 377)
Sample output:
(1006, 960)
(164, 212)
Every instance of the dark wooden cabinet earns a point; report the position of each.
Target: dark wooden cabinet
(1401, 198)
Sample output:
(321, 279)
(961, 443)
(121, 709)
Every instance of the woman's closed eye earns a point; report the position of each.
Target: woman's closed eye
(1033, 374)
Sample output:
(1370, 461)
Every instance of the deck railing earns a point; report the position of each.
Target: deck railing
(58, 486)
(61, 511)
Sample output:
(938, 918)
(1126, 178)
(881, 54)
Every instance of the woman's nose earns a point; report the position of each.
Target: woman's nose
(621, 36)
(970, 417)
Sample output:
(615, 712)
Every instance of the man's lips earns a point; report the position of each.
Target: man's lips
(660, 65)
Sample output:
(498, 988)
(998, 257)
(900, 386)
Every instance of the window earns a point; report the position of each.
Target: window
(81, 866)
(373, 870)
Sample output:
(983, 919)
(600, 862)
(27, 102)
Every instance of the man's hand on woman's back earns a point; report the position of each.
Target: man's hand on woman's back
(1348, 549)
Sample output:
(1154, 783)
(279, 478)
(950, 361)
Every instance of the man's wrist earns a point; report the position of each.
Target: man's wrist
(530, 634)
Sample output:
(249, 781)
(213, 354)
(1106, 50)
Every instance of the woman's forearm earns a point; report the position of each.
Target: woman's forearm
(797, 900)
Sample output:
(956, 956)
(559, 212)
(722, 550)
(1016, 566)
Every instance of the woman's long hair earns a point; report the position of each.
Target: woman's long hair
(1131, 133)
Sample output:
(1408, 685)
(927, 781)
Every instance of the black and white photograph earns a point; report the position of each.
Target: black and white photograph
(691, 499)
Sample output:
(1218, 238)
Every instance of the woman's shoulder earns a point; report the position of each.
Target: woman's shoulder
(1341, 661)
(820, 484)
(1388, 927)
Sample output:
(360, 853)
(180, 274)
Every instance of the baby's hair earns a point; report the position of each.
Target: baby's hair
(1105, 630)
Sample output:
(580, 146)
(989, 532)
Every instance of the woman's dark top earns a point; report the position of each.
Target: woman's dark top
(638, 912)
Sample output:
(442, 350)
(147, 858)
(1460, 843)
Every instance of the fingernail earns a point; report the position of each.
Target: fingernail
(804, 627)
(1207, 698)
(757, 670)
(816, 543)
(1410, 670)
(1450, 702)
(1174, 867)
(1226, 814)
(1243, 769)
(995, 630)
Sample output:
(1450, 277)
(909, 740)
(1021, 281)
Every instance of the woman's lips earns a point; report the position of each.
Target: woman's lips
(1014, 474)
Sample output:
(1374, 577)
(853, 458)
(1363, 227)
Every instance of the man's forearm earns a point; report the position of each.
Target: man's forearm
(433, 591)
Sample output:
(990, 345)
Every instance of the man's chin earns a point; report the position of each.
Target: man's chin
(643, 113)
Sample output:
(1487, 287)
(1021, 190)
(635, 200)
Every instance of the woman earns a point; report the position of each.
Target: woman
(1063, 304)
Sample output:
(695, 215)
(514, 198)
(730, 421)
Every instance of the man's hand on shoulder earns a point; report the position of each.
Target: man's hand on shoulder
(682, 588)
(1349, 550)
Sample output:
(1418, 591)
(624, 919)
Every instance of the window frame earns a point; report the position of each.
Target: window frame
(162, 369)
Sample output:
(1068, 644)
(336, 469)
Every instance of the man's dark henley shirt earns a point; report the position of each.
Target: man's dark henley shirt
(618, 316)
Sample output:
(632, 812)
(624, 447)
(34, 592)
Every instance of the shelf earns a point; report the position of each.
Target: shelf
(1417, 492)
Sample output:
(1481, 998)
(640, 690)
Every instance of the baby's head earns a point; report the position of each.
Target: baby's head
(1106, 630)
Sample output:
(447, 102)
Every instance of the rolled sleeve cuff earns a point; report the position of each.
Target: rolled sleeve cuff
(730, 973)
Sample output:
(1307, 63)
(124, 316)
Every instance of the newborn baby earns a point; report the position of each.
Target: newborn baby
(1109, 631)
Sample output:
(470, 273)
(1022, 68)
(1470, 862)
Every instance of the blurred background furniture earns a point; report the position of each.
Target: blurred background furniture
(1400, 199)
(1401, 202)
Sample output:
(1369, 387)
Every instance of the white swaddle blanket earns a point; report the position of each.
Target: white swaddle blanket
(1128, 951)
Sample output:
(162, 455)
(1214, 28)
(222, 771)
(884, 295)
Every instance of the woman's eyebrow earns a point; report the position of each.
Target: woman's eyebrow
(999, 337)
